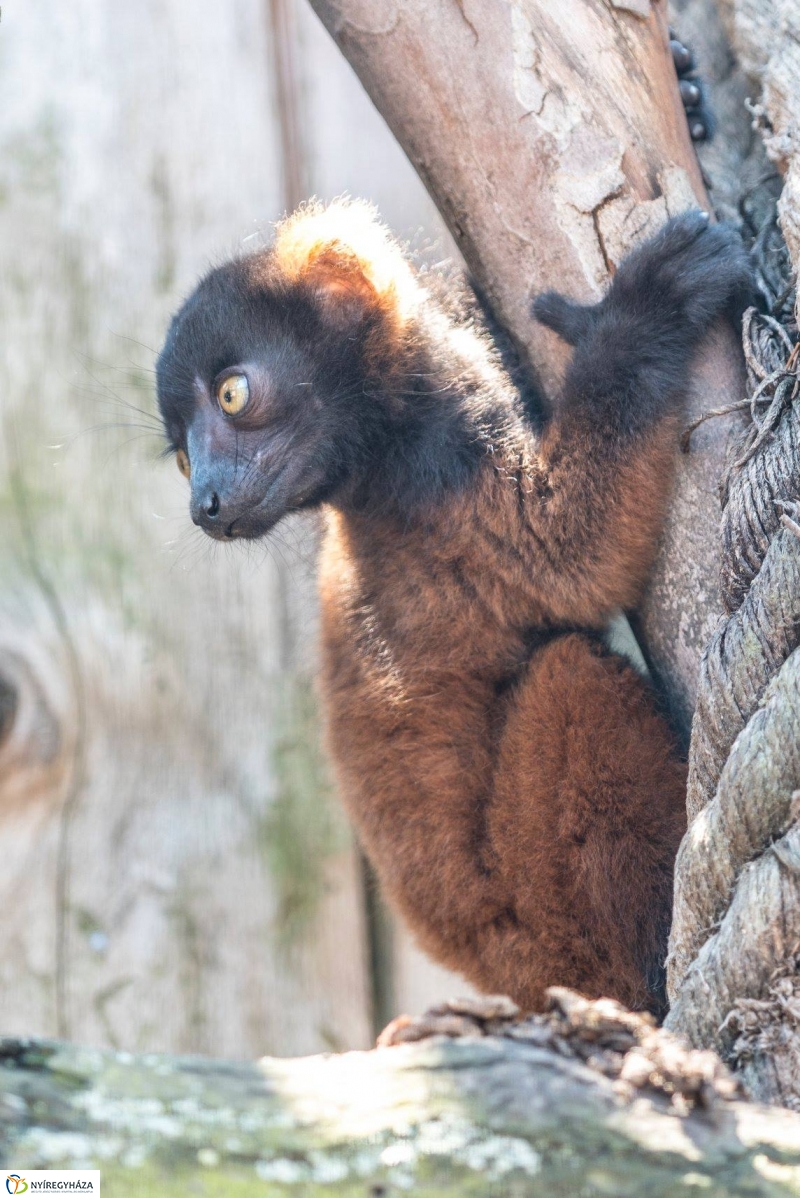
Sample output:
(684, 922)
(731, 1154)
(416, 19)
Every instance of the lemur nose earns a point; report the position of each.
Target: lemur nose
(205, 508)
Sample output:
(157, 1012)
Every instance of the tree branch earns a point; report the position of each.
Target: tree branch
(588, 1099)
(551, 140)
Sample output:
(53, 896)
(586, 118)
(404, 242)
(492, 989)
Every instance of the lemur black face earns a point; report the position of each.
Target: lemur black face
(256, 398)
(306, 373)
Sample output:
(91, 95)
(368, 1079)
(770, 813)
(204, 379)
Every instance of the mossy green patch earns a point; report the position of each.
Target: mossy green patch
(165, 216)
(33, 159)
(302, 828)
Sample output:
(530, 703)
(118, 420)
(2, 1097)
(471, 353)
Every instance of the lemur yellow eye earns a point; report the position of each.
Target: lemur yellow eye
(233, 394)
(183, 463)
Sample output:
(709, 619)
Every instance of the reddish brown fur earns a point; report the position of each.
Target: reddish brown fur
(520, 797)
(523, 810)
(523, 817)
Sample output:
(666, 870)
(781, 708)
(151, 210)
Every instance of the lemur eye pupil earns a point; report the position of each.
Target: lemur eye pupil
(233, 394)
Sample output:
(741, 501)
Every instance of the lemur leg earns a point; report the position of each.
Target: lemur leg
(585, 820)
(542, 854)
(418, 782)
(607, 456)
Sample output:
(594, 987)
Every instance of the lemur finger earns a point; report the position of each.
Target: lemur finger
(698, 127)
(698, 116)
(690, 93)
(570, 320)
(681, 56)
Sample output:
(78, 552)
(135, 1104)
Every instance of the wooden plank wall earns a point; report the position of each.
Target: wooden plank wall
(175, 873)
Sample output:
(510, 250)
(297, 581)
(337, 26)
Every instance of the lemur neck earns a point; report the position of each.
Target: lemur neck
(452, 411)
(435, 543)
(449, 589)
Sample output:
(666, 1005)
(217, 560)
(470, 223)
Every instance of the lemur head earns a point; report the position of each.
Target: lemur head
(275, 379)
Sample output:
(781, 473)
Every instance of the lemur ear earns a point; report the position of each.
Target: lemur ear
(348, 260)
(341, 286)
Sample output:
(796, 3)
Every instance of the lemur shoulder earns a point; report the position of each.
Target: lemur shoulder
(512, 781)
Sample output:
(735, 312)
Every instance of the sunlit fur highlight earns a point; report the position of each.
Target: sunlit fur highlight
(344, 244)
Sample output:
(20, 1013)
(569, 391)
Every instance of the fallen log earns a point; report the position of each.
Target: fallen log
(589, 1099)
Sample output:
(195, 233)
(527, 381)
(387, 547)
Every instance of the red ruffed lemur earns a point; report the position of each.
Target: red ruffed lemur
(511, 779)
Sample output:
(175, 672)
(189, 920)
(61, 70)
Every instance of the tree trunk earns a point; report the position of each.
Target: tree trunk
(765, 35)
(551, 141)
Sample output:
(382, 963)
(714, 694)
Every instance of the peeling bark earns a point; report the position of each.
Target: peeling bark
(766, 36)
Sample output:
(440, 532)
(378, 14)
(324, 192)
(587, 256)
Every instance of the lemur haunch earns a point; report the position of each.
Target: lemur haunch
(511, 780)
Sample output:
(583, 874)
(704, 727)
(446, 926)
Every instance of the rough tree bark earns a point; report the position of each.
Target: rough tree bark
(551, 140)
(765, 35)
(589, 1100)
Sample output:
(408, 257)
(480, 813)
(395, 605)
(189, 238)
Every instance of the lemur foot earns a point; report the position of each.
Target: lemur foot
(683, 278)
(698, 115)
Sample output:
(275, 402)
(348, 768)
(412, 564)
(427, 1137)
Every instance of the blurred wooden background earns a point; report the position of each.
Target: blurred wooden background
(175, 873)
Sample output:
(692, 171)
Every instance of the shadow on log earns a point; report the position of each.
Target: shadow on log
(589, 1099)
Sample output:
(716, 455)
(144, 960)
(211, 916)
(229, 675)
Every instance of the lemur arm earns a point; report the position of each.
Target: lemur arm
(607, 457)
